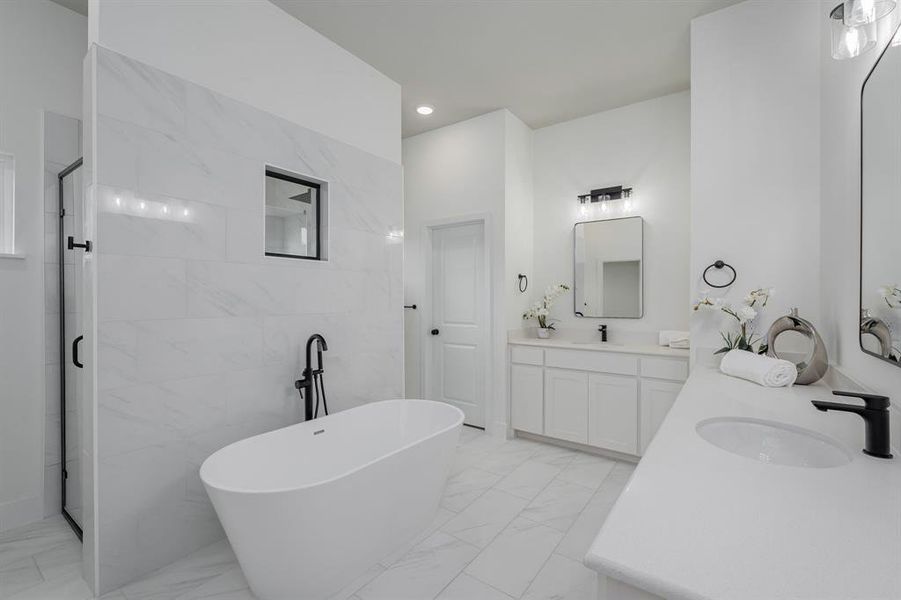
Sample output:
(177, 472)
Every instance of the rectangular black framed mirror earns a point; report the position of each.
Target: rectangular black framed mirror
(608, 262)
(880, 205)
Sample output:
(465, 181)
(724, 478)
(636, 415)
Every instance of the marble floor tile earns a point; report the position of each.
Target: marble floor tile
(423, 572)
(184, 576)
(516, 520)
(57, 589)
(464, 487)
(37, 537)
(19, 576)
(589, 471)
(63, 560)
(465, 587)
(442, 516)
(528, 479)
(562, 578)
(554, 455)
(513, 559)
(485, 518)
(558, 505)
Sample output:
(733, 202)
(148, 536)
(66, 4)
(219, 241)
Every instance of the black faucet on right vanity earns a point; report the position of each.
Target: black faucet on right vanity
(875, 413)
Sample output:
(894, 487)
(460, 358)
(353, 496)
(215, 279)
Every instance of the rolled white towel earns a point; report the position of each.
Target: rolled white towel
(763, 370)
(666, 336)
(681, 342)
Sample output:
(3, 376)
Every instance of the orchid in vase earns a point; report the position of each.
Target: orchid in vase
(744, 314)
(541, 310)
(891, 294)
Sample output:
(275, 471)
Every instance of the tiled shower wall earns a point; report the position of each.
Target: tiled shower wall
(62, 146)
(200, 337)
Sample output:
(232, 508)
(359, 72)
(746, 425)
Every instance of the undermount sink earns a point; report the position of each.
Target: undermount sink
(773, 443)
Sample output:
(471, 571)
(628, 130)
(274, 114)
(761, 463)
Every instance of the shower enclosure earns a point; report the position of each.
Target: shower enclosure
(71, 205)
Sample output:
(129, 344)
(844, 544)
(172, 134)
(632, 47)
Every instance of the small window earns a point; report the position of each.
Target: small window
(294, 220)
(7, 204)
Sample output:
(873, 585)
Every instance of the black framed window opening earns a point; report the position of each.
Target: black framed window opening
(293, 219)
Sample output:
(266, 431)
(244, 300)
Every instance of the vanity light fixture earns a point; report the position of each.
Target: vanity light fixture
(425, 110)
(851, 38)
(864, 12)
(603, 196)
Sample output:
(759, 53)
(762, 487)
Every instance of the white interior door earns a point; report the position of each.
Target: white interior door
(458, 329)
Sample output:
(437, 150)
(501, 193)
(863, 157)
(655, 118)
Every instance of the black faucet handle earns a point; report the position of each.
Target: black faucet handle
(872, 401)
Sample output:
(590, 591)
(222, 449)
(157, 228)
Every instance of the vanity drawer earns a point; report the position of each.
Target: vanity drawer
(585, 360)
(527, 355)
(664, 368)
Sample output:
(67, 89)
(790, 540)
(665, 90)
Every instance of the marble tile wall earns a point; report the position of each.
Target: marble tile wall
(199, 335)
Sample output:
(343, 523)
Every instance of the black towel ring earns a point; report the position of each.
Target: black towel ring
(523, 283)
(719, 265)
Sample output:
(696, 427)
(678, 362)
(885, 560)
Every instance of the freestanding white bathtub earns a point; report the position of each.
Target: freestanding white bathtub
(309, 507)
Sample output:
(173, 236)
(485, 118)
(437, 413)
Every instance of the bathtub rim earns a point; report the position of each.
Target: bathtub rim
(457, 423)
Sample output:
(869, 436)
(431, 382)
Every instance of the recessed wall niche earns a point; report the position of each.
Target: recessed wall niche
(296, 220)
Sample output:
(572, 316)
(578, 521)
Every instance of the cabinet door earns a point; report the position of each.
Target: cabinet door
(566, 405)
(527, 398)
(613, 413)
(657, 398)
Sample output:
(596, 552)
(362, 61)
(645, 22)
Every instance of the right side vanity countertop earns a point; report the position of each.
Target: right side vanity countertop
(697, 522)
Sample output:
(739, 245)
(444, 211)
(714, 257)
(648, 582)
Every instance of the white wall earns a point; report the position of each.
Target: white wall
(646, 146)
(519, 212)
(452, 172)
(481, 166)
(755, 155)
(252, 51)
(38, 72)
(841, 83)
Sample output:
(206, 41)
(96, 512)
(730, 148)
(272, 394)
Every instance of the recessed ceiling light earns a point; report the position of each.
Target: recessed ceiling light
(425, 109)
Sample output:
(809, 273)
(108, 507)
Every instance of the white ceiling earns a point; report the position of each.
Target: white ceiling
(546, 60)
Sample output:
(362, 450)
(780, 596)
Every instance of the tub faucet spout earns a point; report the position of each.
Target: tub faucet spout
(311, 379)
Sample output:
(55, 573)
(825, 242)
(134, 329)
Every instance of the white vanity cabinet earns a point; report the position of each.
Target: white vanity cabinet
(613, 400)
(566, 404)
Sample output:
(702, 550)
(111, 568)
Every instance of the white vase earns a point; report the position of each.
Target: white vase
(544, 332)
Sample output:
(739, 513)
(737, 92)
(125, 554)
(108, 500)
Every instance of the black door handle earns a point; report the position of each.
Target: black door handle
(435, 332)
(75, 360)
(73, 245)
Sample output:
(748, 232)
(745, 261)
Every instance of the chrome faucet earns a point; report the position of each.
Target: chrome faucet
(875, 413)
(311, 379)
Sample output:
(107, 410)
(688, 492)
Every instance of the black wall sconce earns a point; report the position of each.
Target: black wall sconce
(603, 195)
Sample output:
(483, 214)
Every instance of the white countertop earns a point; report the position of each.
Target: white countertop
(698, 523)
(646, 349)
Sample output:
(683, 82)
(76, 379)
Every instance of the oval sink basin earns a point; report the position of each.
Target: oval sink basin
(773, 443)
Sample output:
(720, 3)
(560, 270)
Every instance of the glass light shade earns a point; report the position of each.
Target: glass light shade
(850, 41)
(863, 12)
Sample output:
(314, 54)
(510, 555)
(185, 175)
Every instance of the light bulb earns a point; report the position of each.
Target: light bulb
(603, 207)
(627, 205)
(165, 210)
(583, 209)
(142, 205)
(118, 201)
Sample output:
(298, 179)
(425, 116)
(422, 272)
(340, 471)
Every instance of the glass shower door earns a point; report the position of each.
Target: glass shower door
(71, 206)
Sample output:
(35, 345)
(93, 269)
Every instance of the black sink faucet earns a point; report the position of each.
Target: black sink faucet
(308, 381)
(875, 413)
(602, 329)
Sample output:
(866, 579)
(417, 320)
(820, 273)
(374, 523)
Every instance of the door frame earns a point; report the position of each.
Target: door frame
(425, 375)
